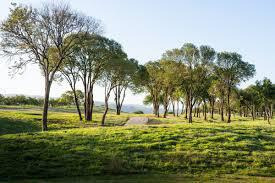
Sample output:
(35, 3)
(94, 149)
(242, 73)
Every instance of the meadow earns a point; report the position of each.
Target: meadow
(213, 150)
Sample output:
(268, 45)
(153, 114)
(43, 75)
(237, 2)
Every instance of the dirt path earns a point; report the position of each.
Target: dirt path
(137, 121)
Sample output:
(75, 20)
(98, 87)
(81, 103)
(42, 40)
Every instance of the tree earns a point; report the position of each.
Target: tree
(112, 72)
(91, 55)
(125, 78)
(217, 90)
(2, 99)
(69, 97)
(152, 84)
(30, 35)
(169, 81)
(204, 76)
(267, 94)
(231, 70)
(70, 71)
(249, 98)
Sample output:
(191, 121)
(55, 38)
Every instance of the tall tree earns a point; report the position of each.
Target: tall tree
(267, 94)
(70, 71)
(191, 60)
(169, 81)
(91, 54)
(125, 80)
(231, 70)
(29, 35)
(112, 72)
(152, 84)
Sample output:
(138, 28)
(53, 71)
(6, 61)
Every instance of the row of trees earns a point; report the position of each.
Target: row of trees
(257, 100)
(66, 99)
(20, 100)
(199, 78)
(99, 60)
(68, 45)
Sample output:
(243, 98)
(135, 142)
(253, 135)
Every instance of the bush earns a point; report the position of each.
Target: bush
(138, 112)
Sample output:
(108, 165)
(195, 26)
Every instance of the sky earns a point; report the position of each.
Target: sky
(146, 29)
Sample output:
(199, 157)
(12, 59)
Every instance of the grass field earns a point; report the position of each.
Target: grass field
(241, 151)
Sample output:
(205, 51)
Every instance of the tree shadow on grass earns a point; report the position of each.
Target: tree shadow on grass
(11, 126)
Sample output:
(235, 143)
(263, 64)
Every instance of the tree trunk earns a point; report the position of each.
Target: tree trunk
(182, 107)
(105, 112)
(46, 104)
(205, 108)
(90, 103)
(221, 110)
(107, 96)
(228, 104)
(155, 106)
(118, 98)
(212, 109)
(253, 112)
(264, 111)
(165, 111)
(178, 107)
(271, 111)
(186, 107)
(77, 104)
(241, 114)
(173, 106)
(190, 107)
(267, 114)
(88, 106)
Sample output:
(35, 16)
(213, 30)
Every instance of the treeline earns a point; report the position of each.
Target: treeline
(68, 45)
(201, 80)
(66, 99)
(20, 100)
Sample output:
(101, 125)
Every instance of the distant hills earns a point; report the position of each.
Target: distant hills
(125, 108)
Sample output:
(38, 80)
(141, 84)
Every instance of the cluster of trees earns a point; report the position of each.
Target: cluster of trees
(68, 45)
(66, 99)
(257, 100)
(199, 79)
(20, 100)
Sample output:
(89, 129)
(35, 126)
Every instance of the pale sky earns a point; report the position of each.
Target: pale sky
(147, 28)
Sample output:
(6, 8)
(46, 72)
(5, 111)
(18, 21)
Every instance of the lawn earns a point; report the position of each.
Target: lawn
(71, 148)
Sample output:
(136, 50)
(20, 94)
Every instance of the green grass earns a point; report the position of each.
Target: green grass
(14, 121)
(243, 148)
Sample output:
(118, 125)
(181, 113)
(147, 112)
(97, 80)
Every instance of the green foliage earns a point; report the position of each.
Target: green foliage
(67, 98)
(20, 100)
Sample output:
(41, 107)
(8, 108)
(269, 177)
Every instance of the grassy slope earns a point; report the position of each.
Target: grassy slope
(240, 148)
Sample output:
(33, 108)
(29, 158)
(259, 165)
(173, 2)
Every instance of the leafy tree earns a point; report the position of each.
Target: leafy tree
(92, 55)
(152, 84)
(217, 89)
(31, 35)
(125, 79)
(69, 97)
(2, 99)
(70, 72)
(169, 81)
(112, 72)
(231, 70)
(267, 94)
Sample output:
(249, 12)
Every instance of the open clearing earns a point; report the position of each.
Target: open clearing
(202, 149)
